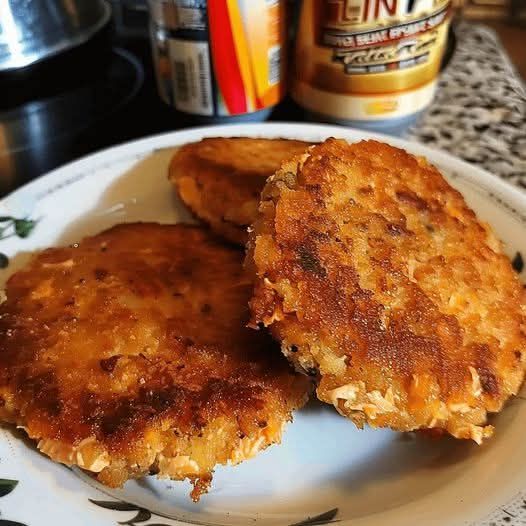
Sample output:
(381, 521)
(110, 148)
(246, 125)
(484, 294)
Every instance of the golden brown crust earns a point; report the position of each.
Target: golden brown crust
(374, 274)
(128, 354)
(220, 179)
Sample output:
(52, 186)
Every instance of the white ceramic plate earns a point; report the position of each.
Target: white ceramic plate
(325, 470)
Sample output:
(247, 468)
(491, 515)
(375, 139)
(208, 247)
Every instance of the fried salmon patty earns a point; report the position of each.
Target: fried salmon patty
(127, 354)
(375, 275)
(220, 179)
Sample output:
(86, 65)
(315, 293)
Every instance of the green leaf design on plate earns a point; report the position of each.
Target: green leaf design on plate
(143, 515)
(20, 227)
(323, 518)
(115, 505)
(7, 486)
(517, 262)
(24, 227)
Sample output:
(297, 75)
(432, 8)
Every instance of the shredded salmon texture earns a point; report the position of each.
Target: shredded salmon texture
(128, 354)
(378, 279)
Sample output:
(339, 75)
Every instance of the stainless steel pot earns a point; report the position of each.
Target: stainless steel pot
(33, 30)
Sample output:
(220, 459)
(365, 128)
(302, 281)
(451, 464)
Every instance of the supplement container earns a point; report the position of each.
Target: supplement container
(219, 60)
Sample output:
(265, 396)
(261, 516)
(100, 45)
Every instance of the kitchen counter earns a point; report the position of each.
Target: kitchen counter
(479, 113)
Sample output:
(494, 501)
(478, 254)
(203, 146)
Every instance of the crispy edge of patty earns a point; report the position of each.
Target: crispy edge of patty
(161, 446)
(323, 305)
(220, 178)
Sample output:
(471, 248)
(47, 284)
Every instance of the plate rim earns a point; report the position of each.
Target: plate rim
(147, 143)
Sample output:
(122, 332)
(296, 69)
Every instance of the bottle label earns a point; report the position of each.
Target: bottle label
(225, 56)
(403, 36)
(191, 14)
(191, 76)
(369, 60)
(246, 42)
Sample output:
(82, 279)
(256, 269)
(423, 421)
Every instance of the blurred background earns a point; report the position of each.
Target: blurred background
(91, 81)
(506, 17)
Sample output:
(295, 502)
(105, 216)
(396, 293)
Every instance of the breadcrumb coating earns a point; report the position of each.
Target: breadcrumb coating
(377, 278)
(128, 355)
(220, 179)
